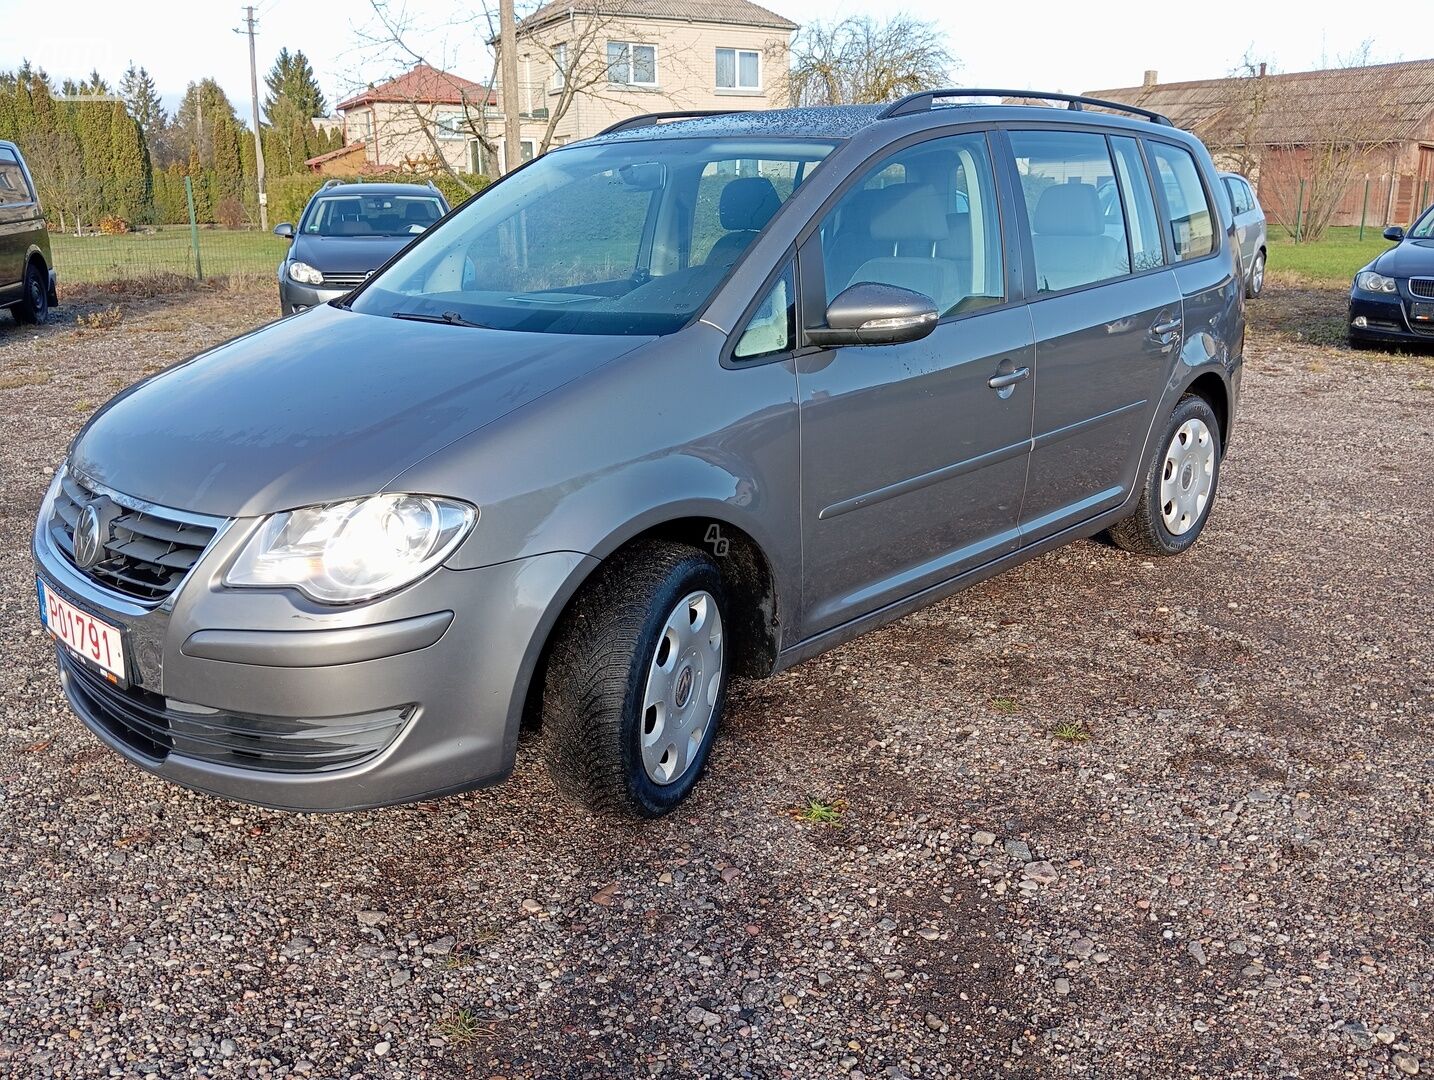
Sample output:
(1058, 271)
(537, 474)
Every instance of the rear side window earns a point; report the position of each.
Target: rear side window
(13, 188)
(923, 219)
(1192, 231)
(1074, 208)
(1146, 250)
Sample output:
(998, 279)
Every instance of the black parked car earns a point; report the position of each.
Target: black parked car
(347, 232)
(1392, 300)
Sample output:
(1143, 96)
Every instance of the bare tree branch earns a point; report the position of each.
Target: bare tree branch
(862, 61)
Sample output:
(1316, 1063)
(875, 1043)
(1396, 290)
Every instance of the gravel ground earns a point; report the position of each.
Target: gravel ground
(1224, 870)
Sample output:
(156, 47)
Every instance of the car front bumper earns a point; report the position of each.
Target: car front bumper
(260, 696)
(295, 297)
(1386, 319)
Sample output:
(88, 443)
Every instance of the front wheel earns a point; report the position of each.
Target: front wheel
(636, 680)
(1256, 284)
(34, 306)
(1179, 485)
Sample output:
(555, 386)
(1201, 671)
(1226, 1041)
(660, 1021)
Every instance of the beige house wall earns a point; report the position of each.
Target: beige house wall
(686, 54)
(398, 134)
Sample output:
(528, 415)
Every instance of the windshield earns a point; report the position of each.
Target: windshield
(1423, 229)
(623, 238)
(370, 215)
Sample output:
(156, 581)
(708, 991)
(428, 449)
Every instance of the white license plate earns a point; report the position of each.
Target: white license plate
(96, 642)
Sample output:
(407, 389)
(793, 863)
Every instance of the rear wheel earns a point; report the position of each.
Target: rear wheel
(1256, 284)
(1179, 487)
(34, 305)
(636, 681)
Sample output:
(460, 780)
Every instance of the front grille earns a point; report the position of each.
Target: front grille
(345, 281)
(146, 553)
(152, 727)
(1422, 286)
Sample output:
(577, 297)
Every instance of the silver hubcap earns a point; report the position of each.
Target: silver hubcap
(682, 686)
(1259, 274)
(1187, 477)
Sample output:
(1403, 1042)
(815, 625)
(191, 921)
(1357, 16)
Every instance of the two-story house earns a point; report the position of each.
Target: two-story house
(585, 64)
(582, 65)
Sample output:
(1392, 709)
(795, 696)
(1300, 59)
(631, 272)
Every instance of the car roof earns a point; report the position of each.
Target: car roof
(842, 122)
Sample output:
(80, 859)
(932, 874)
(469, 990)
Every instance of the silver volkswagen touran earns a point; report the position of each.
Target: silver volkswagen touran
(696, 398)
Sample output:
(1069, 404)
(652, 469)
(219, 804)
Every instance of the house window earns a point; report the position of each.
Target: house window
(631, 65)
(560, 65)
(450, 124)
(739, 69)
(365, 124)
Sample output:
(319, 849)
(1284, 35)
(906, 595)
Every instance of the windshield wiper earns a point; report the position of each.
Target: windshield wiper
(452, 318)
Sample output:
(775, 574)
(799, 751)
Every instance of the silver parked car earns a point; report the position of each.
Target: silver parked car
(684, 401)
(1251, 237)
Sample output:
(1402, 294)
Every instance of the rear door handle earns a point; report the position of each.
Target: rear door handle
(1011, 378)
(1162, 328)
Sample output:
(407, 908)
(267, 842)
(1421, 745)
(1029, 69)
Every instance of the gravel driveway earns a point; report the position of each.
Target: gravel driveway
(1225, 867)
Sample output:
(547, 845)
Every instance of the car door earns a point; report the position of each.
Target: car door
(913, 460)
(1244, 220)
(16, 225)
(1106, 314)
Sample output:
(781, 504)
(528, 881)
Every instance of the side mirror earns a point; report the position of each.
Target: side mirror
(1394, 233)
(285, 230)
(868, 313)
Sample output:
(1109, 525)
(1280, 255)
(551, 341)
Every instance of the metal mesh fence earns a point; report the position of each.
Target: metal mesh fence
(174, 251)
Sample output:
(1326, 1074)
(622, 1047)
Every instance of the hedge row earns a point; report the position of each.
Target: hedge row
(288, 195)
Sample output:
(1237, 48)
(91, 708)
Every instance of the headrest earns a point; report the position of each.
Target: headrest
(420, 210)
(1069, 210)
(911, 212)
(747, 204)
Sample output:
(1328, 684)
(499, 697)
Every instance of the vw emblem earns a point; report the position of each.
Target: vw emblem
(89, 544)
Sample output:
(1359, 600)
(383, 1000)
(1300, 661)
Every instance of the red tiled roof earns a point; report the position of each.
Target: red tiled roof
(340, 152)
(425, 85)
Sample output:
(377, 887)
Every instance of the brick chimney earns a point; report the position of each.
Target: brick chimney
(1151, 77)
(1263, 69)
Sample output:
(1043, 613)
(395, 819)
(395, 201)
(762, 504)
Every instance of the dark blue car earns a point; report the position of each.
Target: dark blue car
(346, 233)
(1392, 300)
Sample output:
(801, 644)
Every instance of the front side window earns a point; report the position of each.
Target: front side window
(924, 219)
(1423, 229)
(739, 69)
(1192, 231)
(13, 188)
(629, 64)
(1073, 206)
(599, 239)
(370, 215)
(772, 329)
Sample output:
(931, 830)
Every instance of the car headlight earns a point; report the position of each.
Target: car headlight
(305, 274)
(346, 552)
(1369, 281)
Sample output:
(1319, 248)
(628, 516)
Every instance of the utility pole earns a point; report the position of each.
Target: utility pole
(249, 22)
(508, 47)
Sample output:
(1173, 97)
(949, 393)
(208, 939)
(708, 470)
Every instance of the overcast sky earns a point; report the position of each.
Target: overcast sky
(1037, 44)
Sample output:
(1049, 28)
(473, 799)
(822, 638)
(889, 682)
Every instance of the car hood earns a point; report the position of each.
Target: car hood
(1412, 258)
(320, 406)
(347, 254)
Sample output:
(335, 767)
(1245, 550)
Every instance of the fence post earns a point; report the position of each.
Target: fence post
(1364, 210)
(1299, 211)
(193, 229)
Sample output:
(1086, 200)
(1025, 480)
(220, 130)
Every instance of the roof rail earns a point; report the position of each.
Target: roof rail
(332, 182)
(925, 100)
(652, 118)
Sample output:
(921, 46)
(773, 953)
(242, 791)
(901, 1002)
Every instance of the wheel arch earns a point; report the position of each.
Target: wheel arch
(1210, 386)
(748, 575)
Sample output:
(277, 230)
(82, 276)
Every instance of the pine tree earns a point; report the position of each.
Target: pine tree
(141, 97)
(291, 83)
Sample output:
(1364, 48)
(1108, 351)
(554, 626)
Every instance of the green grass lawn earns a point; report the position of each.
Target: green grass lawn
(97, 259)
(1330, 261)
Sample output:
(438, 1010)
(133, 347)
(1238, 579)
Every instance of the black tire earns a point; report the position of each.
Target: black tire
(34, 305)
(597, 667)
(1145, 531)
(1256, 283)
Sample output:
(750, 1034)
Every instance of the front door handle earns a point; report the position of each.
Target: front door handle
(1160, 329)
(1010, 378)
